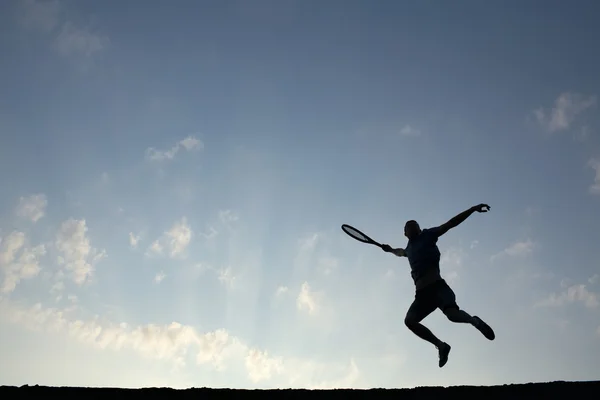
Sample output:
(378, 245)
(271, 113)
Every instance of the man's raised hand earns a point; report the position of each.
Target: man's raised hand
(481, 208)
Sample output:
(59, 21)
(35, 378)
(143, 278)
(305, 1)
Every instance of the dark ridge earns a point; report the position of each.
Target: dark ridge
(550, 390)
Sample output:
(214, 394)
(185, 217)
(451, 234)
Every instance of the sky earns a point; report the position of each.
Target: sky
(175, 177)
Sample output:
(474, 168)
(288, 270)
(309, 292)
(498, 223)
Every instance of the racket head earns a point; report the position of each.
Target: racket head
(358, 235)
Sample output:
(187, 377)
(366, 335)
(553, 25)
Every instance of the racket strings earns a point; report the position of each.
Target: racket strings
(355, 233)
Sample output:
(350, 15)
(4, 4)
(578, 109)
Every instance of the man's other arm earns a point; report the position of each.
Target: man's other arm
(460, 218)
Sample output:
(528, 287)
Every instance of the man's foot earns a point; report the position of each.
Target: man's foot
(443, 350)
(483, 328)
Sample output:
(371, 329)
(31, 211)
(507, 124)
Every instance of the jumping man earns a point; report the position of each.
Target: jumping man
(431, 290)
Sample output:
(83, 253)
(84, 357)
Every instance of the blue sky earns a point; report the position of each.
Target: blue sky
(175, 177)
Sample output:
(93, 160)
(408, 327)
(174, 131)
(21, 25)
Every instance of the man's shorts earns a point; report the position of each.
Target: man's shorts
(437, 295)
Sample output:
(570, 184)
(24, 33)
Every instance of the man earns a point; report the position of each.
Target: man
(431, 290)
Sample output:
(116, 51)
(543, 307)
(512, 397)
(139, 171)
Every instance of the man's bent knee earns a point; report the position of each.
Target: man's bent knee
(410, 321)
(455, 314)
(450, 309)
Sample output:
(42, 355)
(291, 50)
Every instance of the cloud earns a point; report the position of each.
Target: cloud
(594, 163)
(176, 239)
(228, 216)
(75, 40)
(574, 293)
(281, 290)
(452, 260)
(261, 367)
(327, 264)
(308, 243)
(226, 277)
(594, 279)
(307, 300)
(68, 37)
(159, 277)
(178, 344)
(32, 207)
(18, 262)
(312, 254)
(155, 248)
(212, 233)
(583, 134)
(57, 289)
(347, 381)
(169, 342)
(306, 247)
(567, 107)
(133, 240)
(78, 256)
(11, 246)
(190, 143)
(408, 130)
(228, 219)
(39, 15)
(517, 249)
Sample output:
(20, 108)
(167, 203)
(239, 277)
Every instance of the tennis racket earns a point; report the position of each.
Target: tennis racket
(358, 235)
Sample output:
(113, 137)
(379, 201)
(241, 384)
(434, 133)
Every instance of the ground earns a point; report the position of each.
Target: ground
(546, 391)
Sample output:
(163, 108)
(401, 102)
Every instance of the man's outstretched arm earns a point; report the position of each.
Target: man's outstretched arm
(460, 218)
(397, 252)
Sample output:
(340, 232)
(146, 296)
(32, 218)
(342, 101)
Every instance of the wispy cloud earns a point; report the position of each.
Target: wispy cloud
(452, 262)
(583, 134)
(408, 130)
(281, 290)
(133, 239)
(17, 261)
(39, 15)
(228, 216)
(190, 143)
(327, 264)
(175, 341)
(79, 41)
(226, 277)
(261, 366)
(517, 249)
(175, 240)
(594, 163)
(159, 277)
(68, 37)
(307, 299)
(567, 107)
(78, 256)
(32, 207)
(574, 293)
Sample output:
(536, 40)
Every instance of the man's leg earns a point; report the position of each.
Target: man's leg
(419, 309)
(455, 314)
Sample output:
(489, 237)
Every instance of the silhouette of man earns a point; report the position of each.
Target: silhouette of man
(431, 290)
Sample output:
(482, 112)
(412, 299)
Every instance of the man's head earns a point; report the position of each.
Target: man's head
(412, 229)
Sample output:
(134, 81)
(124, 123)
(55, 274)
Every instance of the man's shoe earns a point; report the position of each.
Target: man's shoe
(483, 328)
(443, 351)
